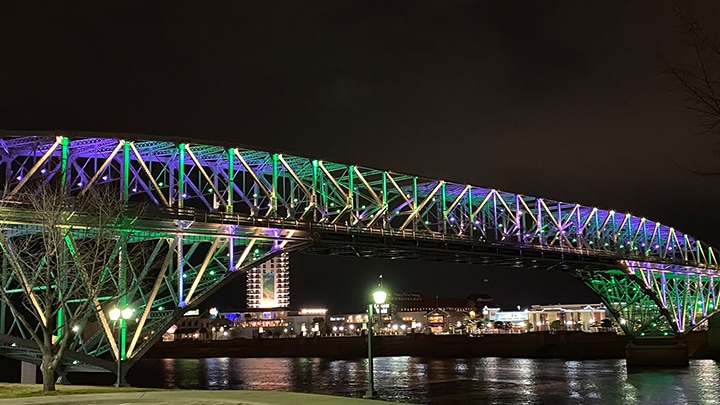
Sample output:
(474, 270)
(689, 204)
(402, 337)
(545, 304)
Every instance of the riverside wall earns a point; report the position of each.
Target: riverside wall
(563, 344)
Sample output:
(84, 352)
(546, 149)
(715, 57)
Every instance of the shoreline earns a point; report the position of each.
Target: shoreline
(563, 344)
(108, 395)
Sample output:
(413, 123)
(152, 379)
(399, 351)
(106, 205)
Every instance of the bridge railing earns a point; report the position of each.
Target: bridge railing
(321, 227)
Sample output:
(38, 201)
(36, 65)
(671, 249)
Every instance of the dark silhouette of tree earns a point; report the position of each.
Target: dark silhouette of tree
(698, 73)
(61, 261)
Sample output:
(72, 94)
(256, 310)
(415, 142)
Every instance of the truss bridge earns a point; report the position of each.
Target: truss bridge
(194, 216)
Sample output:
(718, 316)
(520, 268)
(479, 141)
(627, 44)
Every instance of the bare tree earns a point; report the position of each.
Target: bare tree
(62, 255)
(699, 72)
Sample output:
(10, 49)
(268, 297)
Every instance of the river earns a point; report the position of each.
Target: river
(445, 381)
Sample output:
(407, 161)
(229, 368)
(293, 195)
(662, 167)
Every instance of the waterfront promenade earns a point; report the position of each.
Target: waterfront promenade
(191, 397)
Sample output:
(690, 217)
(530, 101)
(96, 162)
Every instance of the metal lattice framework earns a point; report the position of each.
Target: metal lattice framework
(219, 210)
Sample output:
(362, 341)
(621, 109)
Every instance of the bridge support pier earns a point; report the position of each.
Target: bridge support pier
(660, 352)
(714, 336)
(28, 373)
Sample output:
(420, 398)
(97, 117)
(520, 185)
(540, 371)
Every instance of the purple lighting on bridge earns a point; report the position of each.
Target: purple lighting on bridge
(289, 190)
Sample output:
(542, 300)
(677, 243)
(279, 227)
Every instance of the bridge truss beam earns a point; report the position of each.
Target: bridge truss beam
(215, 210)
(651, 299)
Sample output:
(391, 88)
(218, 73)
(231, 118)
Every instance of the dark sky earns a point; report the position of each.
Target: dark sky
(563, 100)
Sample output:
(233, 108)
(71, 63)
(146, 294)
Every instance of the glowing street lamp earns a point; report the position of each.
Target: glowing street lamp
(379, 297)
(116, 314)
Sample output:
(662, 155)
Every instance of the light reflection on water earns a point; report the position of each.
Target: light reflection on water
(445, 381)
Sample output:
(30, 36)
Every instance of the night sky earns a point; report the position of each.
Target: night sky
(563, 100)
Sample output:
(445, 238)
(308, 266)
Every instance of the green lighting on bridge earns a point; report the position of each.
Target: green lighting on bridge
(536, 221)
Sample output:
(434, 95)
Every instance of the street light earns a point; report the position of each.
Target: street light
(116, 314)
(379, 297)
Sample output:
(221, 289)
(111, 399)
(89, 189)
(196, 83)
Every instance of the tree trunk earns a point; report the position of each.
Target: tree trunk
(48, 374)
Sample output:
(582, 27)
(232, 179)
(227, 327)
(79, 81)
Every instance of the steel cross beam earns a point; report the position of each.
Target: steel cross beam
(210, 211)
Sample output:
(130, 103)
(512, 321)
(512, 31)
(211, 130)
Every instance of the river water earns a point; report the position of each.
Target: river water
(445, 381)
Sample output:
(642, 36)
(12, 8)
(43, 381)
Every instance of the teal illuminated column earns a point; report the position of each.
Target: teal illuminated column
(181, 176)
(64, 161)
(274, 195)
(231, 179)
(126, 171)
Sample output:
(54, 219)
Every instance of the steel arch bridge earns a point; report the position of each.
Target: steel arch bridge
(218, 210)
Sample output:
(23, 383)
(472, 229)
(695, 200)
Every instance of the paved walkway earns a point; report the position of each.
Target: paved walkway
(192, 397)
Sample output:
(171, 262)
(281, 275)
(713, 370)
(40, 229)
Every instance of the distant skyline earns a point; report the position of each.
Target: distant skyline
(563, 100)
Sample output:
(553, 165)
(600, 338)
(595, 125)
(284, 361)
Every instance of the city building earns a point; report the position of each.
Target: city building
(196, 326)
(415, 313)
(584, 317)
(404, 313)
(277, 323)
(438, 321)
(409, 302)
(512, 321)
(268, 284)
(348, 324)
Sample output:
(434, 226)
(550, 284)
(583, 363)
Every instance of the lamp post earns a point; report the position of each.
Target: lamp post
(116, 314)
(379, 297)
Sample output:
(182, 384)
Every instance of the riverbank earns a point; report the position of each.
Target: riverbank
(103, 395)
(562, 345)
(16, 390)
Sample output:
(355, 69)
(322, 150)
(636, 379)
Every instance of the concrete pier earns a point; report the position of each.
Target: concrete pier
(657, 353)
(714, 336)
(28, 373)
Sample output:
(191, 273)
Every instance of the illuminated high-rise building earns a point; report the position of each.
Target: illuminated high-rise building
(268, 284)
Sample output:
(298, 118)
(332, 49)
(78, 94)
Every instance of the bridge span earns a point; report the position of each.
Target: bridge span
(204, 213)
